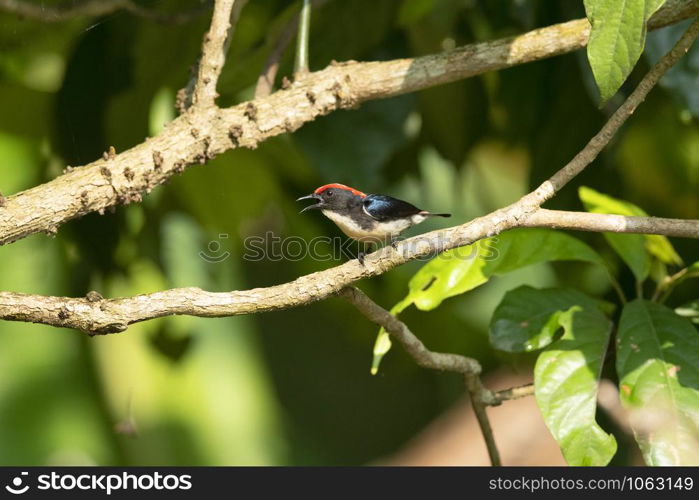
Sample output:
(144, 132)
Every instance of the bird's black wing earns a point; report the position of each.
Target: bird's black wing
(384, 208)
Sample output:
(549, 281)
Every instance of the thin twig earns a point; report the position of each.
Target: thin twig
(412, 345)
(667, 285)
(469, 367)
(585, 221)
(616, 285)
(265, 82)
(521, 391)
(302, 40)
(475, 390)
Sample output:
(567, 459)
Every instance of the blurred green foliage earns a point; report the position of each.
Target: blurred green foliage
(290, 387)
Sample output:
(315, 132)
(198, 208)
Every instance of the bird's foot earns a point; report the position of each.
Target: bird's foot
(395, 241)
(360, 257)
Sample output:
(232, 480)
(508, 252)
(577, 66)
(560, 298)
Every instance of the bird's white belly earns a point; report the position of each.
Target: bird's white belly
(377, 232)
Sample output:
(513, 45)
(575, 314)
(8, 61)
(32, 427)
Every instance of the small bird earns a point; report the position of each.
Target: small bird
(367, 218)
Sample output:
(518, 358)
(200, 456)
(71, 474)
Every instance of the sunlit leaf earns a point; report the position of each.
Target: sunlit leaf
(690, 310)
(527, 319)
(658, 367)
(617, 39)
(566, 378)
(462, 269)
(636, 250)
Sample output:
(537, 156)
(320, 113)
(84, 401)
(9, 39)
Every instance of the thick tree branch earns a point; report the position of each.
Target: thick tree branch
(196, 136)
(214, 50)
(96, 8)
(476, 391)
(469, 367)
(114, 315)
(412, 345)
(583, 221)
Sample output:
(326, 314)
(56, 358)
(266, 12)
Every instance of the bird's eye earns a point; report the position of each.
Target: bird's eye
(328, 192)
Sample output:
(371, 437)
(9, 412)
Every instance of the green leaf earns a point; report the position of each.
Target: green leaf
(634, 249)
(658, 367)
(383, 344)
(617, 39)
(462, 269)
(527, 319)
(566, 377)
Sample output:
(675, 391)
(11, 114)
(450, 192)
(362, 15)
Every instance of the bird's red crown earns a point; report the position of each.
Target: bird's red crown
(340, 186)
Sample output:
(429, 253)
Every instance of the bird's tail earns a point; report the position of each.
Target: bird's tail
(425, 212)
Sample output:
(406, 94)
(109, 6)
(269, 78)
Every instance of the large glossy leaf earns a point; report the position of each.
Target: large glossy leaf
(658, 367)
(527, 319)
(462, 269)
(635, 249)
(566, 378)
(617, 38)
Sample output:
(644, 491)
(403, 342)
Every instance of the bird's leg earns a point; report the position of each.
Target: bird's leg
(361, 254)
(395, 238)
(369, 247)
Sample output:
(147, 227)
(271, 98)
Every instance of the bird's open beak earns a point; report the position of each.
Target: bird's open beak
(318, 204)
